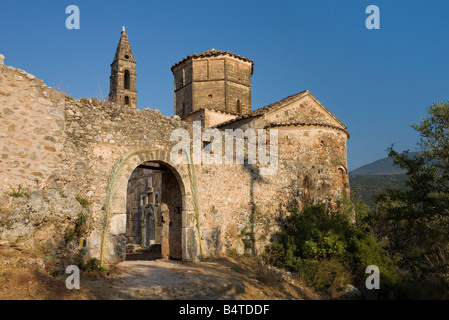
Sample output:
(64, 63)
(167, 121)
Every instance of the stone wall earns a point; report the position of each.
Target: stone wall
(51, 141)
(209, 117)
(183, 90)
(89, 149)
(32, 135)
(247, 207)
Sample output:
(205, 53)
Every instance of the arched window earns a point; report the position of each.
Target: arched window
(342, 179)
(126, 100)
(239, 109)
(127, 81)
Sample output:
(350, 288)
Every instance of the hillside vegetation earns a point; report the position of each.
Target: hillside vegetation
(367, 187)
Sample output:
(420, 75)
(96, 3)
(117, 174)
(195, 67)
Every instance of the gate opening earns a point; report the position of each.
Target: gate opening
(153, 214)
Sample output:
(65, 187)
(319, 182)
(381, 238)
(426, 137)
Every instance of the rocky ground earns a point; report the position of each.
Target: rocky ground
(231, 278)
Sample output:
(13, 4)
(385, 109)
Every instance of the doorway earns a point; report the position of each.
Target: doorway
(153, 213)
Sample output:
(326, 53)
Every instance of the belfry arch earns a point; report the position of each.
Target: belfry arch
(177, 226)
(127, 80)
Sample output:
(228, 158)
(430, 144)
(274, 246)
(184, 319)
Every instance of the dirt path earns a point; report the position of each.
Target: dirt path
(24, 277)
(165, 279)
(221, 278)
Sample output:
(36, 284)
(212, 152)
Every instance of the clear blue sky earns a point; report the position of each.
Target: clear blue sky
(377, 82)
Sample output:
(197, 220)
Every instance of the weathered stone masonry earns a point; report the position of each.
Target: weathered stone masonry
(53, 144)
(51, 141)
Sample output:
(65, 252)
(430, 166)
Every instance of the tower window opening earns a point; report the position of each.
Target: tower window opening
(127, 80)
(126, 100)
(239, 108)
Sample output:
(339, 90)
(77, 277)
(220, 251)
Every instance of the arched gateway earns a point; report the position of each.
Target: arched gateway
(145, 177)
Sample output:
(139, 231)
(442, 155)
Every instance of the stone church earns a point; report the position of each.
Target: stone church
(117, 157)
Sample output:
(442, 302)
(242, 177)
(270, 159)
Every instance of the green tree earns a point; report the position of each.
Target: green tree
(416, 221)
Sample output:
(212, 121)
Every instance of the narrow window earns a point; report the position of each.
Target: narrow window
(238, 106)
(342, 175)
(126, 100)
(127, 80)
(183, 111)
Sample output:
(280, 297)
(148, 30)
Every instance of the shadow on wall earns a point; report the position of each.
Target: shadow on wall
(250, 235)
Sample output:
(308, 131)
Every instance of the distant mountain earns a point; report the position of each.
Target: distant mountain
(375, 178)
(367, 187)
(380, 167)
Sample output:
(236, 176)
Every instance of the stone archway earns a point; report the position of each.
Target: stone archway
(153, 212)
(115, 241)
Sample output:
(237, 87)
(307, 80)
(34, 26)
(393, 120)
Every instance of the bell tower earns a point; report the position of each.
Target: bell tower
(213, 80)
(123, 75)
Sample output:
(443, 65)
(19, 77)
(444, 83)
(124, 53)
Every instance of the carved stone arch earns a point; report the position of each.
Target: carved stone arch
(343, 180)
(342, 168)
(117, 215)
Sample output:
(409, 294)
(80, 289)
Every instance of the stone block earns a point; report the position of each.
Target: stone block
(188, 219)
(190, 245)
(117, 224)
(55, 111)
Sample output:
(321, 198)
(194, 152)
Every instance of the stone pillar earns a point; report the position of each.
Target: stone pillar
(2, 59)
(165, 243)
(190, 239)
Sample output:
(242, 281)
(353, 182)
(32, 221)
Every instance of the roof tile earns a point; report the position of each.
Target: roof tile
(214, 53)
